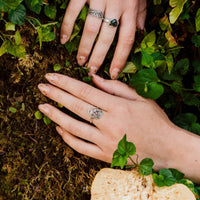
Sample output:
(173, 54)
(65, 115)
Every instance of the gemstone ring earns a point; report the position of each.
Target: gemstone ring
(111, 22)
(95, 113)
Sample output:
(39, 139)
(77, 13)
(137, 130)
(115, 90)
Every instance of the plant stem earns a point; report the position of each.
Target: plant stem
(135, 164)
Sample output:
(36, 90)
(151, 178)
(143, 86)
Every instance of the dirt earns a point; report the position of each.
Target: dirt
(35, 162)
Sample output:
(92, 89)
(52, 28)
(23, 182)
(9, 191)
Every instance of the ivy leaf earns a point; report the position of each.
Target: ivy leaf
(191, 99)
(145, 166)
(17, 37)
(146, 84)
(170, 62)
(126, 148)
(9, 26)
(17, 50)
(177, 174)
(165, 24)
(197, 20)
(83, 13)
(56, 67)
(149, 40)
(12, 4)
(34, 5)
(196, 85)
(129, 68)
(119, 160)
(4, 47)
(196, 40)
(171, 40)
(177, 86)
(182, 66)
(18, 15)
(165, 178)
(177, 6)
(50, 11)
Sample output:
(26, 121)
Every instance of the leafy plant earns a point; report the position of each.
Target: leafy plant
(165, 177)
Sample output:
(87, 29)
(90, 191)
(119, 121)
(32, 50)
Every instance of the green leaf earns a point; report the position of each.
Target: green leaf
(177, 86)
(75, 32)
(4, 47)
(18, 15)
(23, 106)
(197, 20)
(50, 11)
(9, 26)
(67, 63)
(83, 13)
(146, 84)
(147, 59)
(165, 24)
(126, 148)
(177, 174)
(177, 6)
(17, 50)
(38, 115)
(169, 62)
(12, 4)
(47, 121)
(171, 40)
(165, 178)
(56, 67)
(157, 2)
(191, 99)
(119, 160)
(196, 40)
(182, 66)
(17, 37)
(149, 40)
(129, 68)
(196, 85)
(145, 166)
(196, 65)
(12, 109)
(34, 5)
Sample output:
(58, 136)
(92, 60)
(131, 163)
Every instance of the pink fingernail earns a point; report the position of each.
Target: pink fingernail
(51, 77)
(63, 39)
(93, 70)
(59, 130)
(115, 73)
(43, 88)
(81, 60)
(44, 108)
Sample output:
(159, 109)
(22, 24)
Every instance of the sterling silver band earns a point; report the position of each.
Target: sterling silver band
(95, 13)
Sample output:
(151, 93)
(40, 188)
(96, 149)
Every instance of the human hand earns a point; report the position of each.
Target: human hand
(124, 112)
(130, 13)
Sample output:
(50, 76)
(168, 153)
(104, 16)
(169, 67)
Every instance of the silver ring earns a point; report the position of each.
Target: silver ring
(95, 113)
(111, 22)
(95, 13)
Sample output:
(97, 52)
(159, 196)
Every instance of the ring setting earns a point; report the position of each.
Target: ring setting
(95, 113)
(99, 14)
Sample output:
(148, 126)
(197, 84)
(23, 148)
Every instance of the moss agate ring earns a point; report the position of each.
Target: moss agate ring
(95, 113)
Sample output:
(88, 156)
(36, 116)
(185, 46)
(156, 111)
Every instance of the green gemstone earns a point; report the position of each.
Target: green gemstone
(113, 23)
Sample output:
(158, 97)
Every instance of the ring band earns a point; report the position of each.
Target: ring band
(95, 13)
(111, 22)
(95, 113)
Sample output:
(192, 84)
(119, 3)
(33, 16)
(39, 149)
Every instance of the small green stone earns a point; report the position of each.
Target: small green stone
(113, 23)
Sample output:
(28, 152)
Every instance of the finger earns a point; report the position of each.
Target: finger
(77, 128)
(105, 39)
(72, 103)
(82, 90)
(141, 16)
(125, 41)
(69, 19)
(79, 145)
(91, 29)
(116, 88)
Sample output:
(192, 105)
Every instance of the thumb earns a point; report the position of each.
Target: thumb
(116, 88)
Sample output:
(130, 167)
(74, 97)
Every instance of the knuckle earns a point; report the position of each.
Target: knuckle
(91, 28)
(85, 92)
(77, 107)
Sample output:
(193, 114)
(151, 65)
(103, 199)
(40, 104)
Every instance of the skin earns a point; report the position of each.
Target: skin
(124, 112)
(130, 13)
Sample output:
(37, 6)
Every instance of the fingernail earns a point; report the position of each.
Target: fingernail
(43, 108)
(43, 88)
(98, 78)
(115, 73)
(81, 60)
(51, 77)
(93, 70)
(59, 130)
(63, 39)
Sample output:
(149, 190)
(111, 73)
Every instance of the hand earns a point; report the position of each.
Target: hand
(130, 13)
(124, 112)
